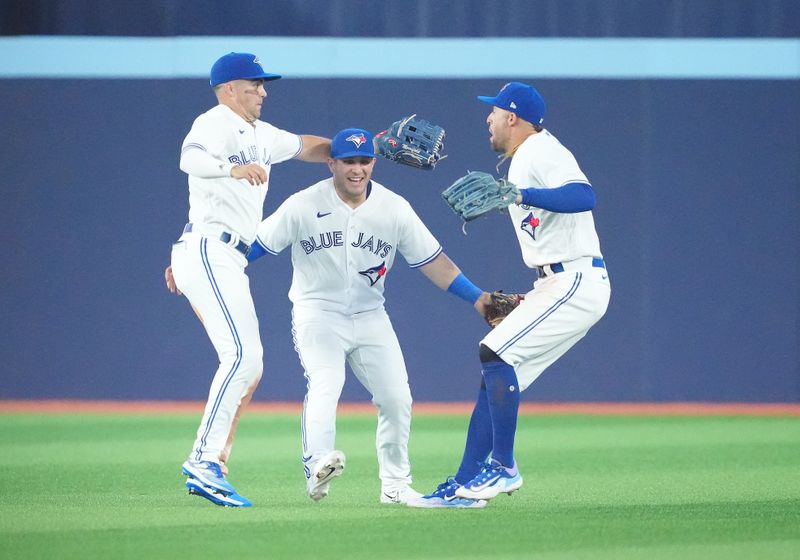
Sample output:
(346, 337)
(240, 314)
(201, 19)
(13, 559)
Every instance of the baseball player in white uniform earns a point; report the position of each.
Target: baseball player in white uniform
(555, 229)
(345, 233)
(228, 155)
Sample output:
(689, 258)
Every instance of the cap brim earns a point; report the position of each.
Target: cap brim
(353, 154)
(488, 100)
(266, 77)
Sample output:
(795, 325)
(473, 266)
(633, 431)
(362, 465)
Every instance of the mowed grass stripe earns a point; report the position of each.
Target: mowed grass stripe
(606, 487)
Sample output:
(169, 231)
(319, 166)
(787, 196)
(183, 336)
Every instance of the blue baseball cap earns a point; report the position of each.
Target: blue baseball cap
(239, 66)
(521, 99)
(352, 142)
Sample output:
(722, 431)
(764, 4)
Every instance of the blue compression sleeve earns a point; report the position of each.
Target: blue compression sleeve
(463, 288)
(257, 251)
(569, 199)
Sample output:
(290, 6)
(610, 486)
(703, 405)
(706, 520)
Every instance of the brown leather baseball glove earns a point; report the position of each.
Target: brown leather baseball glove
(500, 306)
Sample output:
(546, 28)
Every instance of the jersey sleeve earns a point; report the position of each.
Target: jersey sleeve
(285, 146)
(557, 167)
(417, 244)
(205, 136)
(278, 230)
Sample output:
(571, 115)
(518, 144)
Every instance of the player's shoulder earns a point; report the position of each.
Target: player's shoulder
(265, 126)
(382, 191)
(219, 115)
(542, 145)
(319, 189)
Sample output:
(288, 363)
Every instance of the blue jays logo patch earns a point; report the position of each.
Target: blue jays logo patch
(375, 273)
(529, 225)
(356, 139)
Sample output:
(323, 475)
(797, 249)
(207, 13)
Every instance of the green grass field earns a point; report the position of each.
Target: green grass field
(596, 487)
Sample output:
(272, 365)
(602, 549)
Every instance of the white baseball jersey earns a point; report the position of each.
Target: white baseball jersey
(234, 205)
(341, 255)
(549, 237)
(210, 272)
(564, 305)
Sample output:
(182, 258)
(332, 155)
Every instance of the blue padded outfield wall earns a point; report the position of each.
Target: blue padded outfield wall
(686, 119)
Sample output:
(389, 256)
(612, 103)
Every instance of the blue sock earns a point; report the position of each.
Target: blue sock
(502, 394)
(479, 439)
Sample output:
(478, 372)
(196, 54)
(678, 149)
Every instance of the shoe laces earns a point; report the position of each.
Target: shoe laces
(488, 470)
(445, 488)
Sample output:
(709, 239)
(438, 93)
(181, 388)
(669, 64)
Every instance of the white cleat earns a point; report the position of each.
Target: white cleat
(399, 495)
(328, 468)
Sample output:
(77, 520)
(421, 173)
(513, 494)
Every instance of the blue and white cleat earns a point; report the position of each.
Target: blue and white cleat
(208, 474)
(229, 500)
(445, 497)
(493, 479)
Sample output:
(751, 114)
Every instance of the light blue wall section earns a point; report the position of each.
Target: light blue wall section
(334, 57)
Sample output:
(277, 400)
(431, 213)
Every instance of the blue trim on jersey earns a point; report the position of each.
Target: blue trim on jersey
(300, 149)
(237, 341)
(543, 316)
(264, 245)
(626, 58)
(566, 199)
(192, 146)
(426, 261)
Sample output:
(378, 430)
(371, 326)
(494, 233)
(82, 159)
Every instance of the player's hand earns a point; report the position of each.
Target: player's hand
(483, 303)
(171, 281)
(252, 173)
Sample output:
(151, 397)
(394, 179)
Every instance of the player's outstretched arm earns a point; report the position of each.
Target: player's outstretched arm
(446, 275)
(315, 149)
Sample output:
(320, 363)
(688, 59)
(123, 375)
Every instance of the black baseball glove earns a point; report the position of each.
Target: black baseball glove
(412, 141)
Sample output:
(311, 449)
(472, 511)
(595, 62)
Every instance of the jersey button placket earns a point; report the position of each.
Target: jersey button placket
(349, 263)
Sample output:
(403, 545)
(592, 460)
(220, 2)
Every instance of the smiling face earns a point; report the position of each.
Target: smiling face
(351, 175)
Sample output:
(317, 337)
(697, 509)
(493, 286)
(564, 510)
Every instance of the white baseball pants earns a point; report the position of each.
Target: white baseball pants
(211, 275)
(324, 342)
(556, 314)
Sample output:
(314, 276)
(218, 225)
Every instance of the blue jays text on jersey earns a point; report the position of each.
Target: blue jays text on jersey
(328, 239)
(248, 156)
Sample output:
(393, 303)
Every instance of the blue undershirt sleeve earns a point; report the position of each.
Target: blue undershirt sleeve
(568, 199)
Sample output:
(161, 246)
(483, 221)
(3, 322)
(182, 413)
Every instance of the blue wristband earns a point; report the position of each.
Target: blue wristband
(463, 288)
(257, 251)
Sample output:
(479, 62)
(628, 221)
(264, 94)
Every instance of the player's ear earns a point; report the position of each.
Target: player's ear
(330, 164)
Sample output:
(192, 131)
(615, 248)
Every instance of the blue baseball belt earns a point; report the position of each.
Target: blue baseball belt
(555, 268)
(226, 238)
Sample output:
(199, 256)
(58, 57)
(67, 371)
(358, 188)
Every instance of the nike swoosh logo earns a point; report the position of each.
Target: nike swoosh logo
(485, 485)
(322, 214)
(321, 476)
(604, 276)
(241, 131)
(391, 496)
